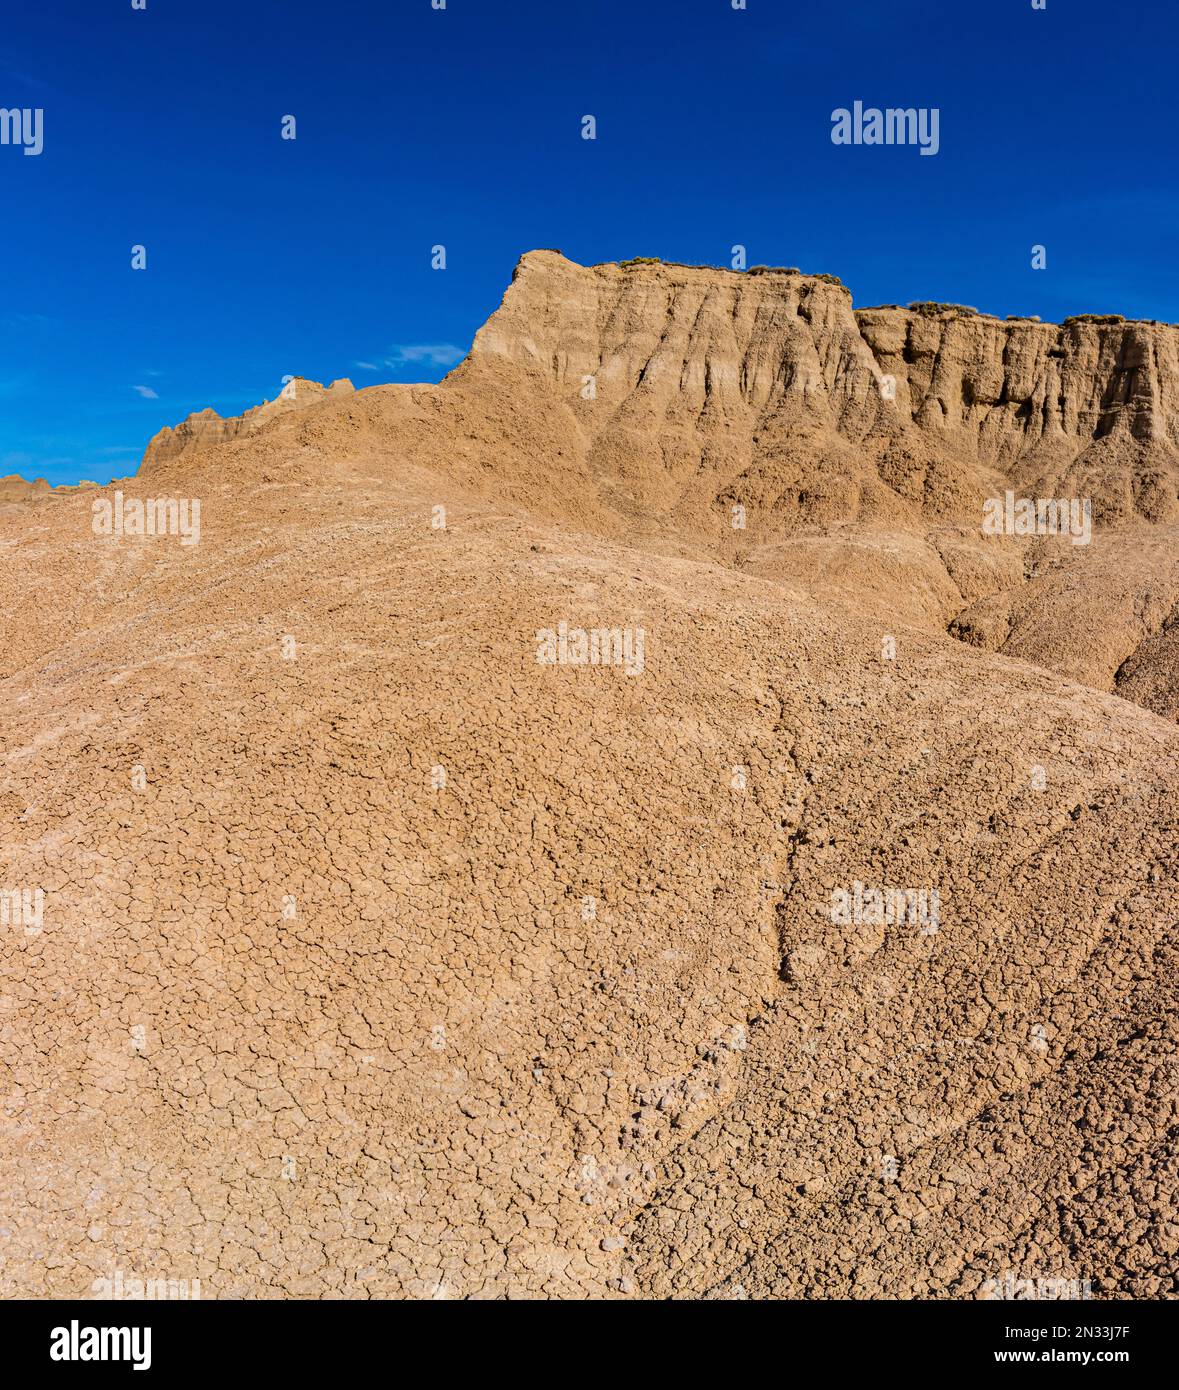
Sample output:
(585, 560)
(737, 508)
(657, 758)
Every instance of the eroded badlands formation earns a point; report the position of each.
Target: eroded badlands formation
(377, 958)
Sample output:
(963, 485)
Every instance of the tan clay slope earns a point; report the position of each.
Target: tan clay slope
(1105, 615)
(554, 1008)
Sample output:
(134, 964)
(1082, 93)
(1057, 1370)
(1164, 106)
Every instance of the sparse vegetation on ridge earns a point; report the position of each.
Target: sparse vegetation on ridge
(932, 309)
(1092, 318)
(792, 270)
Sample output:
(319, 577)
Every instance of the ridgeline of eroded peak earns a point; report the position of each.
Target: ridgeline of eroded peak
(715, 337)
(658, 345)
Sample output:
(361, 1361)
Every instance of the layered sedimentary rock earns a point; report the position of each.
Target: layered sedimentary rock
(729, 354)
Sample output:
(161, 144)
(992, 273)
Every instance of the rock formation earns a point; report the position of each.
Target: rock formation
(205, 427)
(828, 951)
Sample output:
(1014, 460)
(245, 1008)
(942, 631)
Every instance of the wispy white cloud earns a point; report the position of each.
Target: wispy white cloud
(19, 322)
(436, 354)
(147, 393)
(415, 354)
(11, 66)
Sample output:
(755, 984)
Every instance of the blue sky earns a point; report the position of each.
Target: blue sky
(463, 127)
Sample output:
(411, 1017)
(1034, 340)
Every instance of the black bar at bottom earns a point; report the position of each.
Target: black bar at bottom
(304, 1339)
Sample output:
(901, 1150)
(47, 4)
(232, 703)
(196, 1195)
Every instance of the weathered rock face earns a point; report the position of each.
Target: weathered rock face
(1012, 385)
(691, 392)
(205, 427)
(700, 338)
(730, 370)
(708, 338)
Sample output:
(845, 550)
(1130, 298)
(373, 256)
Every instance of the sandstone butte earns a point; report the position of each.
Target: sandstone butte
(379, 959)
